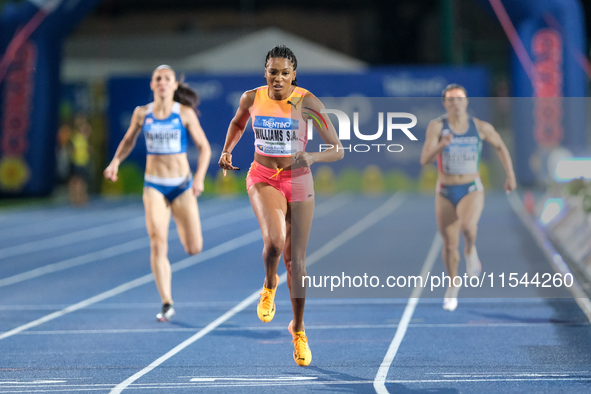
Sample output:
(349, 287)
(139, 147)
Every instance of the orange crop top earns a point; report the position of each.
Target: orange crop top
(279, 129)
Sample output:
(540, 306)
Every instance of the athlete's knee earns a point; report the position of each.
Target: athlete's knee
(288, 267)
(287, 261)
(274, 245)
(298, 268)
(468, 229)
(450, 246)
(194, 247)
(158, 245)
(450, 243)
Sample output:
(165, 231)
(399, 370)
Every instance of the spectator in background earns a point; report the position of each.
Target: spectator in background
(79, 153)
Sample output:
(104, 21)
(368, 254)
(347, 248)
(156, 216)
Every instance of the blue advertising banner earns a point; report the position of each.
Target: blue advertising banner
(220, 96)
(31, 35)
(553, 35)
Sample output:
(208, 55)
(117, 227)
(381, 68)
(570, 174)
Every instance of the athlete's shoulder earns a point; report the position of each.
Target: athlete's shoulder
(143, 109)
(484, 129)
(185, 109)
(248, 97)
(303, 92)
(437, 123)
(310, 100)
(482, 126)
(140, 112)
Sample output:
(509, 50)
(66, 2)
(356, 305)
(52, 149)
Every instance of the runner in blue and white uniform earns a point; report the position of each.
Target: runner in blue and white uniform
(169, 186)
(455, 140)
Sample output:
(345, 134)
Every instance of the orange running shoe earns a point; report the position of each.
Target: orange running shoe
(301, 353)
(266, 305)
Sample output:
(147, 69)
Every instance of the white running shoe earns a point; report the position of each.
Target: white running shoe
(166, 314)
(473, 265)
(450, 300)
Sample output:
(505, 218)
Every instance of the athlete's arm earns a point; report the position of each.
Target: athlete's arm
(489, 134)
(329, 136)
(236, 129)
(433, 143)
(193, 126)
(127, 143)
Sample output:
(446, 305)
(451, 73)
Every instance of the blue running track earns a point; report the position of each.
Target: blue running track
(78, 306)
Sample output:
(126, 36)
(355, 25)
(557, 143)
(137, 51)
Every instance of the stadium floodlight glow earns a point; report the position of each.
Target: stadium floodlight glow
(552, 208)
(572, 168)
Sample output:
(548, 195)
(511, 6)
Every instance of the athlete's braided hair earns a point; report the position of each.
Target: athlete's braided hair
(281, 51)
(184, 93)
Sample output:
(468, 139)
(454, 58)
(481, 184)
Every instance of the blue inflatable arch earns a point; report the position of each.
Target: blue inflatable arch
(553, 34)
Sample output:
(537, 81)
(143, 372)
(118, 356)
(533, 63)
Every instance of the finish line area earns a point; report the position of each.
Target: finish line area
(79, 306)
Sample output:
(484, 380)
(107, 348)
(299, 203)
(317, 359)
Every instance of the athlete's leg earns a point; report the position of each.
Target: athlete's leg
(299, 222)
(186, 215)
(270, 207)
(449, 226)
(469, 210)
(157, 223)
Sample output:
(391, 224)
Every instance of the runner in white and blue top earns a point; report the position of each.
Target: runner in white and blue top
(165, 137)
(169, 187)
(455, 140)
(460, 157)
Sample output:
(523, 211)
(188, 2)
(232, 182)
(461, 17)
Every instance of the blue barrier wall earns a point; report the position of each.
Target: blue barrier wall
(220, 95)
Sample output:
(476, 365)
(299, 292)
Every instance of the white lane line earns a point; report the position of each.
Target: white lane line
(206, 255)
(34, 382)
(82, 235)
(74, 237)
(216, 251)
(379, 381)
(554, 258)
(336, 301)
(207, 329)
(204, 385)
(262, 379)
(117, 250)
(372, 218)
(332, 204)
(73, 220)
(310, 327)
(550, 378)
(294, 382)
(369, 220)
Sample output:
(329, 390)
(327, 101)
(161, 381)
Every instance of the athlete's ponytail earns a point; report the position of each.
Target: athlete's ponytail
(281, 51)
(184, 93)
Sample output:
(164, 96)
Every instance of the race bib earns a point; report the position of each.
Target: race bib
(276, 136)
(163, 139)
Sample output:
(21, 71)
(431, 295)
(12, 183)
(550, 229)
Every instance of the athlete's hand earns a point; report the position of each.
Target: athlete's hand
(111, 172)
(226, 162)
(510, 184)
(197, 187)
(446, 139)
(303, 159)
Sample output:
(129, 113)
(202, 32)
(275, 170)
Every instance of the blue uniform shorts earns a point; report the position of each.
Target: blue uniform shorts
(170, 188)
(454, 193)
